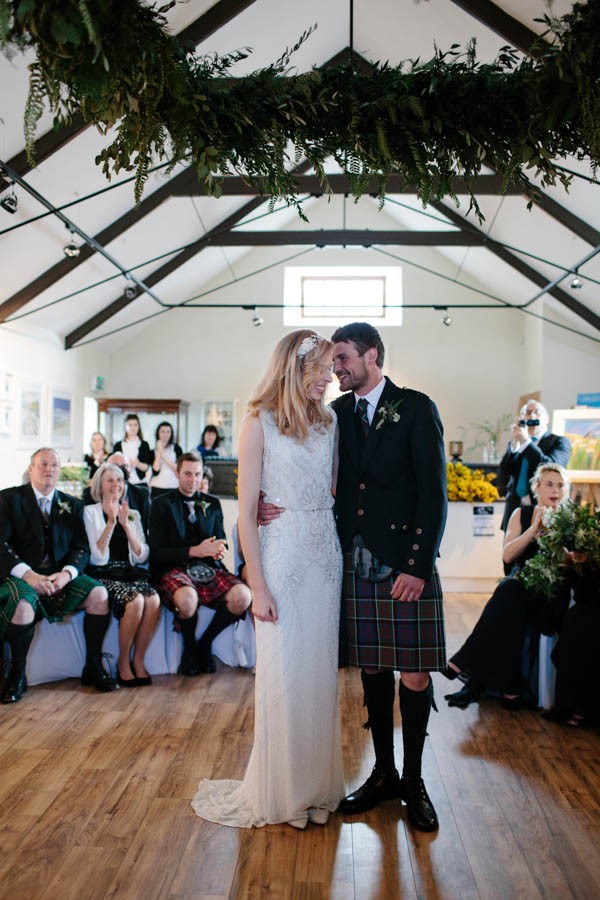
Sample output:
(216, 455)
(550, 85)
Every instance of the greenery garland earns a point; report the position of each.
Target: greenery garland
(114, 63)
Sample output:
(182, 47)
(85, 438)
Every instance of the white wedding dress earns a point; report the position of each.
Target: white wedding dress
(296, 760)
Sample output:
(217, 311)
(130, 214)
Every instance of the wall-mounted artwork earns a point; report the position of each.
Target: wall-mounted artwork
(6, 420)
(30, 415)
(61, 419)
(582, 427)
(7, 387)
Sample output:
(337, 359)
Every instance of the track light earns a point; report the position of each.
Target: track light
(10, 202)
(257, 320)
(576, 282)
(448, 320)
(130, 291)
(71, 250)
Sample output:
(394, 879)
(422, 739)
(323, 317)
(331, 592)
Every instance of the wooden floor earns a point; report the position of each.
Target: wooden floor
(95, 801)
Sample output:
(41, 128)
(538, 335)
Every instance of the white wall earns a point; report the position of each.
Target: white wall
(473, 369)
(36, 357)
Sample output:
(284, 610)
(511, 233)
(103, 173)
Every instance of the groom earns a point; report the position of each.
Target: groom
(390, 510)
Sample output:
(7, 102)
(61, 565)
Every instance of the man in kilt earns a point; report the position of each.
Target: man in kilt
(187, 544)
(391, 510)
(43, 550)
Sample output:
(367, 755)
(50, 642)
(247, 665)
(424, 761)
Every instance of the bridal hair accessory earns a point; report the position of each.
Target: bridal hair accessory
(309, 343)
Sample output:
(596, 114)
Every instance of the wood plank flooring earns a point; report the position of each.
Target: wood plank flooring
(95, 801)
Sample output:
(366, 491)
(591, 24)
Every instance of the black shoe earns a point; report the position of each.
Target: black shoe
(419, 808)
(14, 688)
(450, 673)
(144, 681)
(189, 664)
(207, 664)
(377, 788)
(127, 682)
(94, 675)
(462, 698)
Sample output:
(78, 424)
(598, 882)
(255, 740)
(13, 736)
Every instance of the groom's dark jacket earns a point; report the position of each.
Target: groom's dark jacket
(391, 486)
(22, 531)
(169, 534)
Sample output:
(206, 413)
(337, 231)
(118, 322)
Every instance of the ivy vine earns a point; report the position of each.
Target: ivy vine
(114, 63)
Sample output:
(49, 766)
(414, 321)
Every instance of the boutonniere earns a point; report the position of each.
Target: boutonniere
(132, 515)
(64, 507)
(388, 412)
(203, 505)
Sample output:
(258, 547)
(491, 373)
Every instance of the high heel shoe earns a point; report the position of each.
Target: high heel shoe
(318, 815)
(301, 822)
(127, 682)
(450, 673)
(463, 698)
(142, 681)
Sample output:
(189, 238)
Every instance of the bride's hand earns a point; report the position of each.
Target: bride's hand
(264, 607)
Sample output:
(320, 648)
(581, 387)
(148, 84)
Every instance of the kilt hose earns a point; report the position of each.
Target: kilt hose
(382, 633)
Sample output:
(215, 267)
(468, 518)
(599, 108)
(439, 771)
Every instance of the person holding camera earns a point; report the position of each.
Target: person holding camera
(531, 444)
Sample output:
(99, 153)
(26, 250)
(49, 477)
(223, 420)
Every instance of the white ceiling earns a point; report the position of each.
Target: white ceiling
(383, 30)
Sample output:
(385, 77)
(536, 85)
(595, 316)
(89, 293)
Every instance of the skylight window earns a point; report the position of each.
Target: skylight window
(334, 295)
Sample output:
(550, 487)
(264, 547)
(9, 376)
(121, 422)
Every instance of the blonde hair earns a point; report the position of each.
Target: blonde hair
(283, 389)
(96, 483)
(541, 470)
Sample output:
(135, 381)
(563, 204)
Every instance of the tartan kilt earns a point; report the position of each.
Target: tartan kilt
(385, 634)
(53, 608)
(208, 594)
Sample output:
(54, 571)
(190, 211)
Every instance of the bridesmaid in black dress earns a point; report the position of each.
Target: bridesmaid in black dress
(490, 658)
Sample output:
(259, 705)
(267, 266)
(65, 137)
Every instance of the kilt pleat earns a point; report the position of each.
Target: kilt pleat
(383, 633)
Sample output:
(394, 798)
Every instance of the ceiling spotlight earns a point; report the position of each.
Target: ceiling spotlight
(576, 283)
(10, 202)
(257, 320)
(130, 291)
(448, 320)
(71, 250)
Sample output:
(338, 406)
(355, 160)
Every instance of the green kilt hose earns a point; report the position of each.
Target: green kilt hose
(54, 608)
(383, 633)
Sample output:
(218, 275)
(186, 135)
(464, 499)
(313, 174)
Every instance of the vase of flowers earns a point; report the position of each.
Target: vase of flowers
(470, 485)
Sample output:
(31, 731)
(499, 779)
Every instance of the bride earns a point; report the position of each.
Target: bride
(287, 451)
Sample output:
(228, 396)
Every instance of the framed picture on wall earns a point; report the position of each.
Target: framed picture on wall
(30, 415)
(7, 387)
(6, 419)
(582, 427)
(61, 422)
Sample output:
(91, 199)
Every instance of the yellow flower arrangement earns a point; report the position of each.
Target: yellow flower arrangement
(470, 485)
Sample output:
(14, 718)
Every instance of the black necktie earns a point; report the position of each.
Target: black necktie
(361, 408)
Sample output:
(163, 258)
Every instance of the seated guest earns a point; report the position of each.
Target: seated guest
(135, 449)
(577, 696)
(531, 445)
(207, 480)
(43, 550)
(490, 659)
(208, 448)
(187, 544)
(164, 466)
(137, 495)
(118, 550)
(98, 454)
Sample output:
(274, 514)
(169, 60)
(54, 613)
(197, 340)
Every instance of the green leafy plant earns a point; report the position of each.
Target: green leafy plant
(569, 529)
(431, 122)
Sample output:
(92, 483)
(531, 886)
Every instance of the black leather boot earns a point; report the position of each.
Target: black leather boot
(415, 707)
(94, 674)
(384, 782)
(19, 638)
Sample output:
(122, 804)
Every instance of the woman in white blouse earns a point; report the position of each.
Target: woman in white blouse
(118, 550)
(164, 466)
(135, 449)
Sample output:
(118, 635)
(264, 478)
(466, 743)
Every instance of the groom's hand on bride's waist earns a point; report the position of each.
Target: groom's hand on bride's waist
(267, 512)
